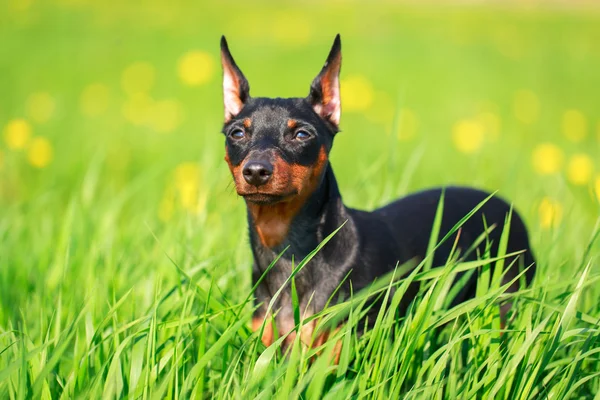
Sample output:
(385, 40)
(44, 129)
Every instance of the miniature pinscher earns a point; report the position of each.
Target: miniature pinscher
(278, 153)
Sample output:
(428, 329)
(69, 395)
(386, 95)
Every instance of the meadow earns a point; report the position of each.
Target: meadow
(124, 256)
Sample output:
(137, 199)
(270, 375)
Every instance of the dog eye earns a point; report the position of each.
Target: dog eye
(237, 134)
(302, 135)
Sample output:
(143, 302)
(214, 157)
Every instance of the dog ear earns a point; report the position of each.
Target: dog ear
(325, 88)
(236, 90)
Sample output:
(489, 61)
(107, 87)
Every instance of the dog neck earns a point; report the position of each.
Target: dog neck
(298, 225)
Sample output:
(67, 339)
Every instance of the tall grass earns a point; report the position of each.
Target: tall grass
(193, 341)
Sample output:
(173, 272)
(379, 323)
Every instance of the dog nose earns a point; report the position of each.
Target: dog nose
(257, 173)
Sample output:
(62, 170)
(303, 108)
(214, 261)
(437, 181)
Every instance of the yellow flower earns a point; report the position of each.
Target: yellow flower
(138, 78)
(550, 213)
(187, 184)
(291, 28)
(357, 93)
(526, 106)
(40, 107)
(547, 158)
(39, 152)
(17, 133)
(468, 136)
(598, 187)
(137, 109)
(166, 116)
(580, 169)
(407, 124)
(574, 125)
(94, 99)
(196, 67)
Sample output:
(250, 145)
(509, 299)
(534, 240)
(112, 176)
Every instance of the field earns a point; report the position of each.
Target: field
(124, 257)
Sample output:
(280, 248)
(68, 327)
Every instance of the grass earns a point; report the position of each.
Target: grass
(124, 262)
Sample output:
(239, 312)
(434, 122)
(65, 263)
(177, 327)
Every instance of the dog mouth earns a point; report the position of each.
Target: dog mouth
(265, 198)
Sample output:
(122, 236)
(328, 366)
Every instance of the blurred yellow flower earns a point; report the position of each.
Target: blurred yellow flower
(166, 115)
(187, 173)
(574, 125)
(468, 136)
(550, 213)
(357, 93)
(185, 192)
(526, 106)
(407, 124)
(17, 133)
(137, 109)
(291, 28)
(492, 125)
(138, 78)
(196, 67)
(39, 152)
(382, 108)
(547, 158)
(94, 100)
(580, 169)
(187, 184)
(40, 107)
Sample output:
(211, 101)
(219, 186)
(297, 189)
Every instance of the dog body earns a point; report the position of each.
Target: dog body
(277, 151)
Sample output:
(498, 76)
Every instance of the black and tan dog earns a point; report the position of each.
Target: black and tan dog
(278, 151)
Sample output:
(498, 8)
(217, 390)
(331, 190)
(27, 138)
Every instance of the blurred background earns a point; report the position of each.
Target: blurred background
(110, 118)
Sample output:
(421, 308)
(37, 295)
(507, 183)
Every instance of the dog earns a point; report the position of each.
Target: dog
(278, 153)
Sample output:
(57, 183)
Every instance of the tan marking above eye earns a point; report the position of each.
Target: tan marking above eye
(247, 123)
(292, 123)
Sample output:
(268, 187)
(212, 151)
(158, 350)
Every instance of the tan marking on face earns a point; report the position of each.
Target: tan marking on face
(247, 123)
(238, 179)
(267, 336)
(272, 221)
(292, 123)
(227, 160)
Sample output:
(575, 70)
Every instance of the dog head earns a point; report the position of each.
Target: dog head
(277, 149)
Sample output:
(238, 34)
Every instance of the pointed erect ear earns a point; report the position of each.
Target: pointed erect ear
(236, 90)
(325, 88)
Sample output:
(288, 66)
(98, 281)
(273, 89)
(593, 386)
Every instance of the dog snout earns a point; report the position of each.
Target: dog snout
(257, 173)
